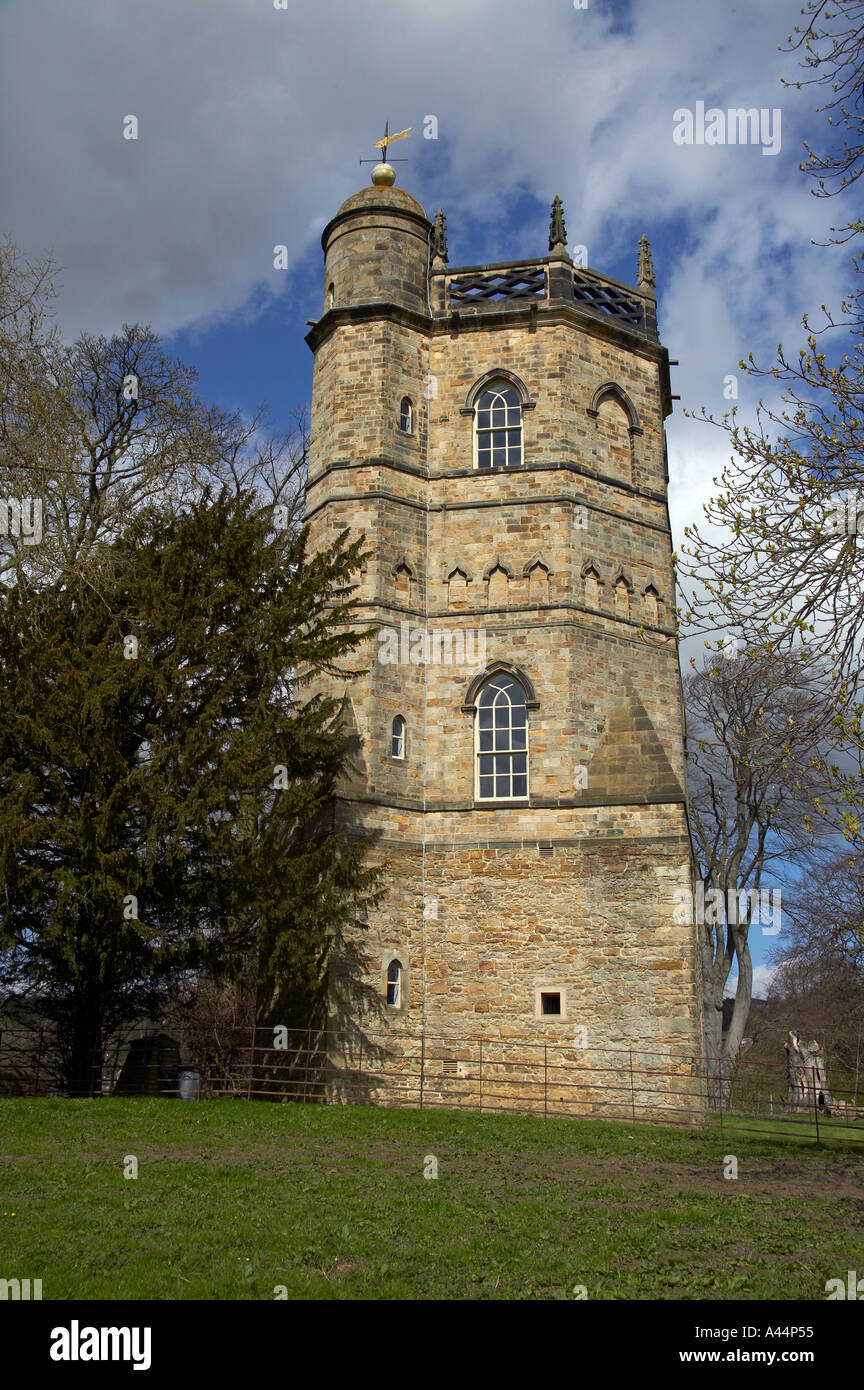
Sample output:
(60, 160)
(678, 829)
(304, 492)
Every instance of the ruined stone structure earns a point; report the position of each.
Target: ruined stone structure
(496, 431)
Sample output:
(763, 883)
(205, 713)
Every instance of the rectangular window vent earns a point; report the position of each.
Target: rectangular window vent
(550, 1003)
(545, 849)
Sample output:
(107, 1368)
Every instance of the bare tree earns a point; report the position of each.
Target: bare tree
(786, 570)
(102, 429)
(756, 763)
(832, 47)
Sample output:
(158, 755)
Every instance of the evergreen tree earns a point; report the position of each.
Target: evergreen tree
(163, 784)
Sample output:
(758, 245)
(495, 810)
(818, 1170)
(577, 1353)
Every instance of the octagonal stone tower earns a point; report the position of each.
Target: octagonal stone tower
(496, 432)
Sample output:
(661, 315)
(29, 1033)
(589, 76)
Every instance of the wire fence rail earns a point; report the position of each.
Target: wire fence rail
(484, 1074)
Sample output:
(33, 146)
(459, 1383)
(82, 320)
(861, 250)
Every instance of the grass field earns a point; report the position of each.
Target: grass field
(795, 1128)
(233, 1199)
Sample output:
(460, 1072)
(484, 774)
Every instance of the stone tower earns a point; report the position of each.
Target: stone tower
(496, 431)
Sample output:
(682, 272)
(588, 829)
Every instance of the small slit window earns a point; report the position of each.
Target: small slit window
(394, 983)
(550, 1003)
(406, 415)
(397, 737)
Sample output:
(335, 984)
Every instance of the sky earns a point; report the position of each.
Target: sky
(252, 117)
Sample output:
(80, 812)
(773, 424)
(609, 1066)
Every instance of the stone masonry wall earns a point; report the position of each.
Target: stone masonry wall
(562, 570)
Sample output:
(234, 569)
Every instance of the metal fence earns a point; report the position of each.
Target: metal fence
(481, 1074)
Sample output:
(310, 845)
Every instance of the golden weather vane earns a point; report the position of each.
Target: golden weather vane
(388, 140)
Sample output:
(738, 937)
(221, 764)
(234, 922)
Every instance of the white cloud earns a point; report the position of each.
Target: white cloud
(252, 122)
(762, 976)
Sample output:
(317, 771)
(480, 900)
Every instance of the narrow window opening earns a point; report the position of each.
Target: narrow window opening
(550, 1003)
(394, 983)
(397, 737)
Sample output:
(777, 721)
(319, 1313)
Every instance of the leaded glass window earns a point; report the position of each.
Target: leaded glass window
(499, 427)
(502, 741)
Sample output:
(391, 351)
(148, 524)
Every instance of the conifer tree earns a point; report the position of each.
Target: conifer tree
(165, 778)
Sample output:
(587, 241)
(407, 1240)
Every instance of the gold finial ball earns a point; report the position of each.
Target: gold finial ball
(383, 176)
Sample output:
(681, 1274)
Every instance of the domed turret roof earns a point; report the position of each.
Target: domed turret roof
(379, 197)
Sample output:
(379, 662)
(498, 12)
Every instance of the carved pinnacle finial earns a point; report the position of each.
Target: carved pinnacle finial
(439, 237)
(557, 230)
(645, 269)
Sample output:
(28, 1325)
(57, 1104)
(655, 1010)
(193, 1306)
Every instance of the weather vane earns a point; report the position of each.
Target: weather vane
(388, 140)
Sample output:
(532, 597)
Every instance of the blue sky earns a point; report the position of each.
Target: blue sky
(252, 121)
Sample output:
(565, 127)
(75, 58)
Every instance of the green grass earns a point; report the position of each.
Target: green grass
(235, 1198)
(798, 1128)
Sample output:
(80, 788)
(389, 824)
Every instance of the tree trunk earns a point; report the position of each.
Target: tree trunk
(743, 998)
(713, 1016)
(808, 1079)
(722, 1053)
(83, 1053)
(714, 1046)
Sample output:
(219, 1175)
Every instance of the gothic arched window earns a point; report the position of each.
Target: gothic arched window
(501, 741)
(397, 737)
(498, 428)
(406, 415)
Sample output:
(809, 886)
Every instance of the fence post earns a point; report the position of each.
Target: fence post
(815, 1104)
(545, 1078)
(38, 1064)
(481, 1074)
(632, 1091)
(360, 1071)
(422, 1063)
